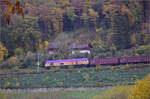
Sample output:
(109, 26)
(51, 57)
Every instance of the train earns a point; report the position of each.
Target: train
(98, 61)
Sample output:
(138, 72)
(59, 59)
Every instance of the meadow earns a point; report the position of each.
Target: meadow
(140, 90)
(100, 76)
(76, 94)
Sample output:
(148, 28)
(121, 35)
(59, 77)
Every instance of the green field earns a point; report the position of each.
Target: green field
(76, 94)
(80, 77)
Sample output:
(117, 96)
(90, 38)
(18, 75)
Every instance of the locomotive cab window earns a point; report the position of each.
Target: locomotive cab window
(52, 63)
(62, 63)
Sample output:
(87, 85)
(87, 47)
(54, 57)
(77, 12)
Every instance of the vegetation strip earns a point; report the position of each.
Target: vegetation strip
(46, 71)
(54, 89)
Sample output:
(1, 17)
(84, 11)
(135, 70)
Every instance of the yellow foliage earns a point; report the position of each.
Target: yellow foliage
(146, 36)
(133, 39)
(17, 84)
(137, 54)
(127, 66)
(98, 67)
(3, 52)
(141, 89)
(93, 13)
(112, 68)
(86, 76)
(4, 95)
(46, 43)
(8, 84)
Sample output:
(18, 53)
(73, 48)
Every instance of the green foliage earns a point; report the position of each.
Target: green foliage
(78, 77)
(72, 94)
(143, 50)
(85, 76)
(29, 61)
(19, 52)
(10, 63)
(112, 23)
(120, 36)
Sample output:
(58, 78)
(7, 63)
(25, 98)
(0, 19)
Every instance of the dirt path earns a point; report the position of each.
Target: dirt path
(53, 89)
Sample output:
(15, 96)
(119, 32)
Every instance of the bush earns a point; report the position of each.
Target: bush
(4, 95)
(141, 89)
(98, 67)
(10, 63)
(143, 50)
(29, 60)
(112, 68)
(19, 51)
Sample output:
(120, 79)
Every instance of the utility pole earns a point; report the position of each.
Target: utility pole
(38, 63)
(38, 56)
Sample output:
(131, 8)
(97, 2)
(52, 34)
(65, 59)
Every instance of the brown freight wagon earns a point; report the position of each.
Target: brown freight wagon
(135, 59)
(106, 61)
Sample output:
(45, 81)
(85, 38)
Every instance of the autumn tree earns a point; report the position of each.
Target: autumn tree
(123, 16)
(3, 52)
(93, 17)
(9, 8)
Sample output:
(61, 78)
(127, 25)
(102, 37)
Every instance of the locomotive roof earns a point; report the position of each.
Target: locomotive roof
(66, 60)
(72, 46)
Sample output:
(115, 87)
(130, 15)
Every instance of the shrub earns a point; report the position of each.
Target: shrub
(127, 66)
(4, 95)
(141, 89)
(19, 51)
(85, 76)
(12, 62)
(98, 67)
(143, 50)
(112, 68)
(8, 85)
(29, 60)
(60, 84)
(17, 84)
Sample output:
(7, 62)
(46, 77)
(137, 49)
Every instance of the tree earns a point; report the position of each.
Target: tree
(9, 8)
(93, 17)
(120, 37)
(124, 16)
(3, 52)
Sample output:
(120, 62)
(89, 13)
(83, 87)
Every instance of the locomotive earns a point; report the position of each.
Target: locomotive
(98, 61)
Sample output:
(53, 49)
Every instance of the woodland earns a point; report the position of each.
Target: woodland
(28, 27)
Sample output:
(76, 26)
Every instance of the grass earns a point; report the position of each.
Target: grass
(118, 92)
(81, 77)
(84, 94)
(76, 94)
(140, 90)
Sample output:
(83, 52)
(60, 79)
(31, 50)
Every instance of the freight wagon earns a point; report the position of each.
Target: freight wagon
(135, 59)
(105, 61)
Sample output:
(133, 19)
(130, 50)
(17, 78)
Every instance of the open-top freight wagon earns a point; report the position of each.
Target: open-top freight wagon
(99, 61)
(134, 59)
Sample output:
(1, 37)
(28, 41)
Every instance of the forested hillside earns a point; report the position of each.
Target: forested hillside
(110, 25)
